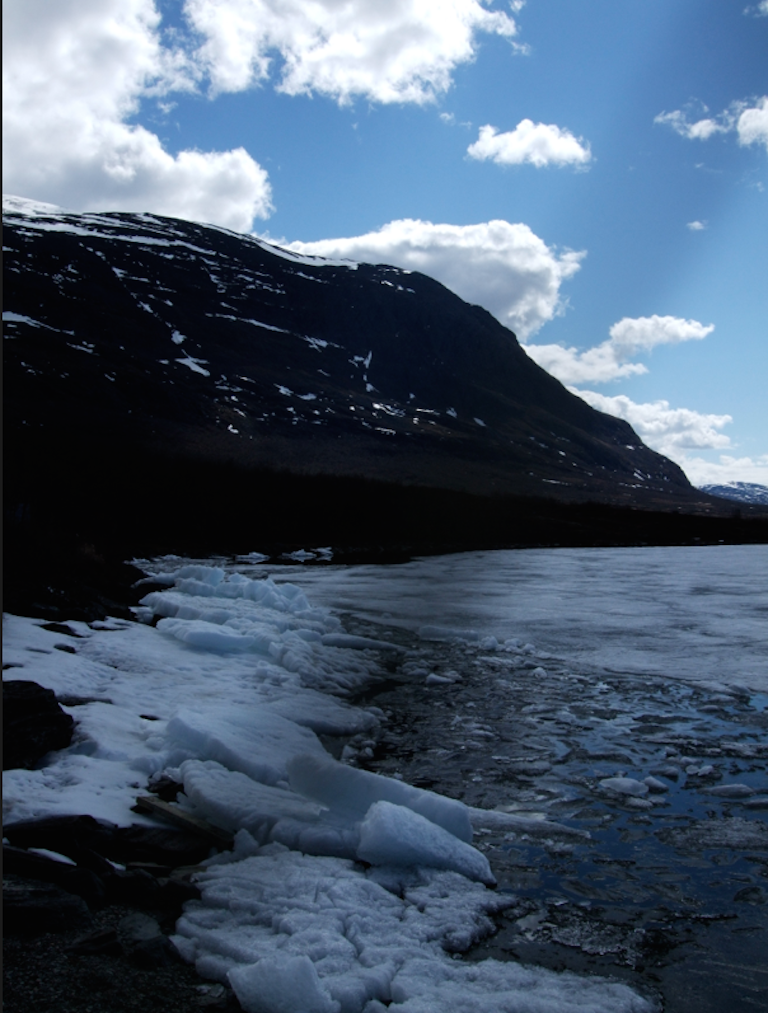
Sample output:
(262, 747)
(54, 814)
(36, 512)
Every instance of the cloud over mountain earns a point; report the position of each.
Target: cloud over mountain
(504, 267)
(671, 431)
(610, 359)
(74, 74)
(77, 72)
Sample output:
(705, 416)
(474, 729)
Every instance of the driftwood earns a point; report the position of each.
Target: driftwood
(194, 824)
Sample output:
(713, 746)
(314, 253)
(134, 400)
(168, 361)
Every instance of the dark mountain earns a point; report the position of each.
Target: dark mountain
(134, 332)
(741, 492)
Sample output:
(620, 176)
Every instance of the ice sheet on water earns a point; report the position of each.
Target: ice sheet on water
(350, 938)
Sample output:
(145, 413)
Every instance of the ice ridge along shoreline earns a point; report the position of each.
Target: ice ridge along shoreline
(346, 891)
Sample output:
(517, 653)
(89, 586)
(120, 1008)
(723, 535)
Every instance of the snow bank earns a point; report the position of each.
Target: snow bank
(346, 890)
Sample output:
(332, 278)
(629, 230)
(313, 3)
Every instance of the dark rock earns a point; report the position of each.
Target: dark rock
(139, 843)
(33, 724)
(102, 943)
(143, 942)
(66, 834)
(71, 878)
(32, 908)
(60, 628)
(137, 888)
(84, 839)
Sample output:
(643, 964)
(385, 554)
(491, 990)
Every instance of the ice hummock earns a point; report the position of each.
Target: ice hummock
(346, 890)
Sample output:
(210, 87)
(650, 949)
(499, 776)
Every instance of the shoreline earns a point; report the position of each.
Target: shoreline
(646, 949)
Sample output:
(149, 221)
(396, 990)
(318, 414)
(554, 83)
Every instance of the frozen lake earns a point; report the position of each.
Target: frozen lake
(699, 614)
(593, 721)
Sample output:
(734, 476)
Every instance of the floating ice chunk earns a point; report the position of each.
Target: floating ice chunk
(281, 984)
(438, 680)
(639, 803)
(655, 785)
(531, 824)
(624, 785)
(394, 835)
(731, 791)
(254, 740)
(705, 771)
(351, 792)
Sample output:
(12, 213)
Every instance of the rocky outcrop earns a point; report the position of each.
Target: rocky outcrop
(33, 724)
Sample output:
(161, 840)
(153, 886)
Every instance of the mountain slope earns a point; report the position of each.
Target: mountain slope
(132, 332)
(740, 492)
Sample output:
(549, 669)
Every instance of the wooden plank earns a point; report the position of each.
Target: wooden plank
(196, 825)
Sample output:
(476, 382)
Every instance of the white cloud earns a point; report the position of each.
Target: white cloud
(504, 267)
(750, 122)
(538, 143)
(700, 130)
(759, 11)
(671, 431)
(595, 365)
(726, 469)
(398, 51)
(634, 334)
(683, 435)
(696, 226)
(609, 360)
(74, 73)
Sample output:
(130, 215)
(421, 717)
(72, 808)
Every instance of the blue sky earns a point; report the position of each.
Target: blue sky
(594, 172)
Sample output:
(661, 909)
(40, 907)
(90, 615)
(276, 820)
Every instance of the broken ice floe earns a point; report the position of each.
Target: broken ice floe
(346, 888)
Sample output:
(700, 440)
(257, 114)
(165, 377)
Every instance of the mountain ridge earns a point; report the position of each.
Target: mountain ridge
(141, 330)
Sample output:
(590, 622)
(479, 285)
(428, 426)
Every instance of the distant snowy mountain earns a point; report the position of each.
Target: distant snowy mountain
(741, 492)
(133, 332)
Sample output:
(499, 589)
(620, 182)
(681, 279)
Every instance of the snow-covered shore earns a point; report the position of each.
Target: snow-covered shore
(346, 891)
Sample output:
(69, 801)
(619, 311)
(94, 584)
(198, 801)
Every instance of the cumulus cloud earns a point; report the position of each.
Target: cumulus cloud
(696, 226)
(700, 130)
(671, 431)
(758, 11)
(726, 469)
(539, 144)
(74, 73)
(749, 122)
(610, 360)
(752, 124)
(683, 435)
(504, 267)
(404, 51)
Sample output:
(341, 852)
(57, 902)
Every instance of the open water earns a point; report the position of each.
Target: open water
(564, 670)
